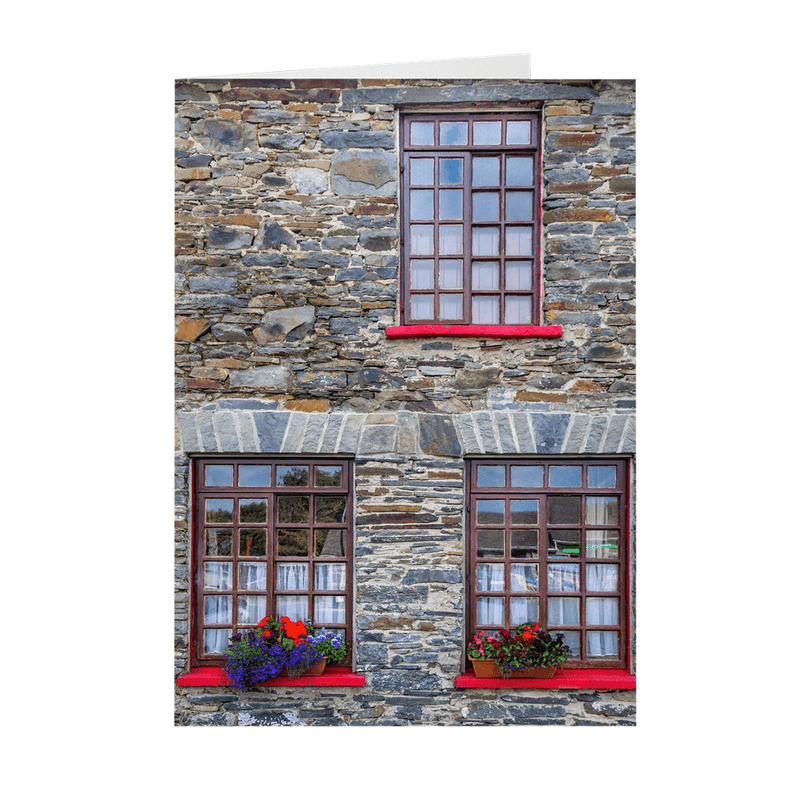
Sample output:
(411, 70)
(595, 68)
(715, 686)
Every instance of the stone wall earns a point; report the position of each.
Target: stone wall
(288, 267)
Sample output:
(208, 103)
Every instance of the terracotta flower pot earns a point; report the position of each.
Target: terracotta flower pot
(489, 669)
(312, 672)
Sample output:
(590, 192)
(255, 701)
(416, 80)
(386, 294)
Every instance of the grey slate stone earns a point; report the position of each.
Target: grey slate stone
(614, 434)
(224, 332)
(343, 140)
(312, 437)
(549, 430)
(375, 377)
(188, 433)
(249, 438)
(350, 434)
(596, 431)
(285, 324)
(432, 576)
(438, 436)
(295, 432)
(208, 437)
(464, 94)
(629, 436)
(468, 435)
(483, 422)
(507, 443)
(224, 135)
(331, 434)
(272, 236)
(372, 174)
(526, 442)
(226, 432)
(228, 239)
(273, 377)
(270, 427)
(580, 425)
(613, 109)
(378, 439)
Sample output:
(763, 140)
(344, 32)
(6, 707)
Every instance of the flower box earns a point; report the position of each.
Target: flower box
(487, 668)
(312, 672)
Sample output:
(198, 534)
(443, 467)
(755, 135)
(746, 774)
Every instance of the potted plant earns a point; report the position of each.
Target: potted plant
(525, 652)
(280, 647)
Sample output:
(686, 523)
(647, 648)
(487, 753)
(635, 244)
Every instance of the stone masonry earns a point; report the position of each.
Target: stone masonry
(287, 275)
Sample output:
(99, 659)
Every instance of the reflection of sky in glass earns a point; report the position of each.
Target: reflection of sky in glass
(219, 475)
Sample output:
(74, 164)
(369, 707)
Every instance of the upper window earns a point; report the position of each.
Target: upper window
(548, 545)
(470, 203)
(271, 538)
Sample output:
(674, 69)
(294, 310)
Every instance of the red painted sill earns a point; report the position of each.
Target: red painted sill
(479, 331)
(215, 676)
(563, 679)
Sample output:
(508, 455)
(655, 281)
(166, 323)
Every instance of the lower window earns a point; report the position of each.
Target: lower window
(271, 537)
(547, 544)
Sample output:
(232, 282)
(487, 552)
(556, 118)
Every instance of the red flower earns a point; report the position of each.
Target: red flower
(285, 619)
(263, 622)
(527, 635)
(267, 633)
(295, 630)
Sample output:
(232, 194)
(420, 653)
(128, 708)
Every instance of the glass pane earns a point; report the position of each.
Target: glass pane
(451, 204)
(451, 171)
(486, 310)
(485, 275)
(219, 541)
(421, 133)
(602, 511)
(422, 274)
(524, 609)
(254, 475)
(490, 544)
(422, 306)
(451, 273)
(601, 577)
(519, 241)
(563, 543)
(252, 609)
(490, 611)
(216, 640)
(252, 541)
(572, 639)
(329, 542)
(486, 132)
(293, 606)
(253, 509)
(219, 475)
(292, 577)
(452, 133)
(421, 171)
(327, 476)
(485, 241)
(489, 475)
(527, 476)
(518, 310)
(252, 577)
(217, 576)
(525, 544)
(519, 205)
(422, 240)
(293, 508)
(563, 578)
(219, 510)
(451, 239)
(330, 577)
(518, 275)
(490, 512)
(329, 610)
(602, 477)
(217, 610)
(563, 611)
(451, 306)
(524, 512)
(485, 206)
(518, 132)
(421, 204)
(296, 475)
(491, 578)
(293, 542)
(524, 577)
(602, 544)
(519, 171)
(601, 644)
(330, 509)
(486, 171)
(564, 510)
(564, 476)
(602, 611)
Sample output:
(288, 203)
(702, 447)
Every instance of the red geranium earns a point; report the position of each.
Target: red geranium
(295, 630)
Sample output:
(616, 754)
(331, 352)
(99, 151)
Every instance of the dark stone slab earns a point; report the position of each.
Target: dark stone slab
(438, 436)
(465, 94)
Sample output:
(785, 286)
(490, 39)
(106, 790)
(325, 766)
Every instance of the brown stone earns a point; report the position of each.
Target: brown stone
(191, 329)
(237, 219)
(191, 383)
(303, 107)
(573, 188)
(307, 405)
(192, 174)
(375, 209)
(626, 185)
(540, 397)
(226, 363)
(608, 172)
(209, 373)
(586, 385)
(575, 140)
(578, 215)
(184, 240)
(227, 113)
(562, 111)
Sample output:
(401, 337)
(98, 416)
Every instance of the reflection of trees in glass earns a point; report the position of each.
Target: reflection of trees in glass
(329, 542)
(330, 509)
(218, 542)
(328, 476)
(292, 476)
(252, 511)
(293, 542)
(252, 542)
(293, 508)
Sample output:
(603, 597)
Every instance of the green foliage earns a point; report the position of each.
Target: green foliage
(526, 647)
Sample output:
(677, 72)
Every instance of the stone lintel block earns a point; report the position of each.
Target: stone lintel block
(577, 433)
(616, 426)
(438, 435)
(485, 430)
(378, 439)
(270, 427)
(465, 94)
(549, 430)
(227, 434)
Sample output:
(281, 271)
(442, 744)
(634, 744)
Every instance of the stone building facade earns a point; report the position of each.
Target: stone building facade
(289, 253)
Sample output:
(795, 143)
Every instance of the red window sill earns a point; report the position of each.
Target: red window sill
(483, 331)
(216, 676)
(563, 679)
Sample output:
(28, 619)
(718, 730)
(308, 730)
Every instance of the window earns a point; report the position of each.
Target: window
(271, 537)
(547, 543)
(470, 203)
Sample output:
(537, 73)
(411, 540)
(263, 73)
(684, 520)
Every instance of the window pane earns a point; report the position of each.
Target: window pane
(330, 509)
(329, 542)
(422, 274)
(519, 171)
(518, 310)
(219, 541)
(252, 577)
(293, 542)
(451, 306)
(486, 132)
(563, 611)
(563, 578)
(486, 171)
(217, 576)
(293, 606)
(451, 171)
(422, 240)
(491, 578)
(572, 639)
(602, 611)
(421, 203)
(252, 609)
(564, 510)
(525, 544)
(564, 476)
(292, 577)
(490, 611)
(519, 241)
(254, 475)
(518, 276)
(602, 511)
(486, 241)
(296, 475)
(485, 275)
(527, 476)
(253, 510)
(524, 609)
(330, 577)
(601, 577)
(421, 172)
(486, 310)
(451, 239)
(451, 204)
(486, 206)
(524, 512)
(422, 306)
(293, 508)
(452, 133)
(219, 510)
(252, 541)
(524, 577)
(421, 133)
(451, 273)
(563, 543)
(601, 644)
(518, 132)
(489, 475)
(602, 544)
(490, 512)
(216, 640)
(490, 544)
(327, 476)
(219, 475)
(602, 477)
(329, 610)
(217, 610)
(519, 206)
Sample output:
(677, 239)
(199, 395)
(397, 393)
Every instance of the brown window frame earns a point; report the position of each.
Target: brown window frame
(468, 152)
(271, 557)
(544, 495)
